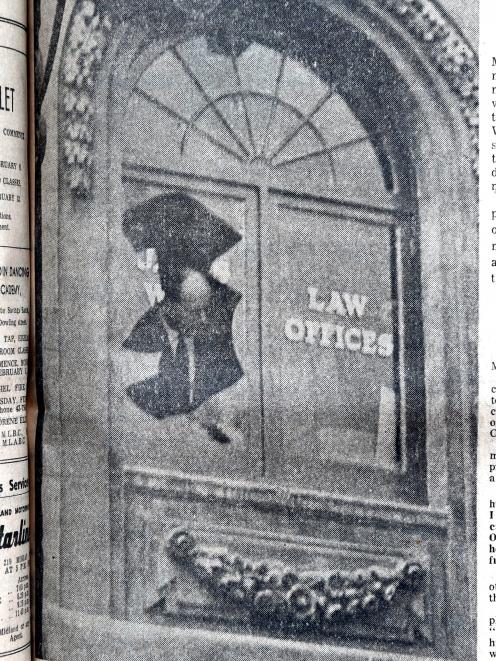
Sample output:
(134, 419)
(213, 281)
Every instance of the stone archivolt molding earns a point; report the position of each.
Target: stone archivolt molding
(282, 598)
(450, 53)
(88, 38)
(86, 44)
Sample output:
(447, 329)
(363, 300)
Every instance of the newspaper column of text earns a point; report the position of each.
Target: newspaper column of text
(14, 332)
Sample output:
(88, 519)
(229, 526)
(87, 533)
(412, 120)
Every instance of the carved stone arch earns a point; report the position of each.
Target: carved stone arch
(422, 29)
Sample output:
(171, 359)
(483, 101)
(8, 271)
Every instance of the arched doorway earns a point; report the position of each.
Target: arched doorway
(291, 148)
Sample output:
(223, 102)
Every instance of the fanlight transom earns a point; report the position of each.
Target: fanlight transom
(261, 107)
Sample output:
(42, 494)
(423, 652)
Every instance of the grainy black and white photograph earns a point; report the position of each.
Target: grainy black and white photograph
(256, 330)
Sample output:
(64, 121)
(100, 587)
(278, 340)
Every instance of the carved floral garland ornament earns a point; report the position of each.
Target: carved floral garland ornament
(283, 598)
(87, 41)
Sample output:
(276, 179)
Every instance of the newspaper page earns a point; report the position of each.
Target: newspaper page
(257, 277)
(14, 334)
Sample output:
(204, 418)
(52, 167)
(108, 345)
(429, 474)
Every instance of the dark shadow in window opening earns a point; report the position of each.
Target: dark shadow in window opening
(192, 325)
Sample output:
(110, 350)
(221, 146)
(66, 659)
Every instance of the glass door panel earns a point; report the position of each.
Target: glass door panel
(331, 354)
(221, 436)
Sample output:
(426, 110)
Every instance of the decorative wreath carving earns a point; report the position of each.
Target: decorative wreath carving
(87, 41)
(280, 597)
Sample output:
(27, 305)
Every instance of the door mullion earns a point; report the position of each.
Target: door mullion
(263, 203)
(271, 431)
